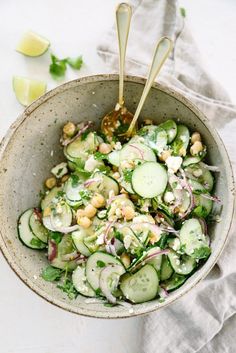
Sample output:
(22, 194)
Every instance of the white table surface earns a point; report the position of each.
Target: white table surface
(28, 323)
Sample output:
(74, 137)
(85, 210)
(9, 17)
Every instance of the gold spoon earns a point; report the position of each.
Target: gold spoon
(120, 116)
(163, 48)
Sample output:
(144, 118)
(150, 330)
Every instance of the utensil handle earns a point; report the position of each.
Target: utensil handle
(163, 48)
(123, 17)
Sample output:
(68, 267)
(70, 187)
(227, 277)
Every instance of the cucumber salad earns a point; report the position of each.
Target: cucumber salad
(124, 220)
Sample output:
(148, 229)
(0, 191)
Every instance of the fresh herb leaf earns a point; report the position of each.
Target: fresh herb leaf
(122, 128)
(98, 292)
(162, 243)
(118, 235)
(127, 175)
(68, 288)
(57, 67)
(75, 63)
(60, 194)
(84, 135)
(105, 169)
(51, 274)
(109, 305)
(200, 211)
(74, 180)
(100, 156)
(56, 236)
(85, 194)
(100, 264)
(182, 11)
(36, 242)
(201, 253)
(59, 171)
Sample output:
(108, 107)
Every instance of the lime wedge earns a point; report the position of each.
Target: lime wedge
(28, 90)
(32, 44)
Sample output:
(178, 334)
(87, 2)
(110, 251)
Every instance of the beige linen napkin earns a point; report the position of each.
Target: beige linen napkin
(203, 320)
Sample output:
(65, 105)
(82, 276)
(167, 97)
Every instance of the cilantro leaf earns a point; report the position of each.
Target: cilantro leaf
(85, 194)
(202, 253)
(36, 242)
(100, 156)
(51, 274)
(182, 11)
(57, 67)
(127, 175)
(74, 180)
(75, 63)
(56, 236)
(100, 264)
(68, 288)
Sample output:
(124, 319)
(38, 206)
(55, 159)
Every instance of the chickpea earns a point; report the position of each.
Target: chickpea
(148, 122)
(116, 175)
(125, 258)
(69, 129)
(50, 182)
(98, 200)
(105, 148)
(127, 165)
(128, 213)
(90, 211)
(195, 137)
(153, 238)
(64, 178)
(80, 213)
(164, 155)
(46, 212)
(196, 148)
(84, 222)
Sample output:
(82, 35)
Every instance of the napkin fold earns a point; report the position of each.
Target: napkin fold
(203, 319)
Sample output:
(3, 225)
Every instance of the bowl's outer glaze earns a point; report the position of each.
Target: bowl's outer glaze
(31, 148)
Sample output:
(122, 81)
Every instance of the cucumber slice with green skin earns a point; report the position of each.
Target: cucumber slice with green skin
(181, 139)
(190, 160)
(62, 249)
(50, 196)
(82, 148)
(202, 175)
(141, 286)
(104, 185)
(193, 241)
(174, 282)
(91, 243)
(203, 206)
(155, 261)
(182, 265)
(94, 265)
(78, 238)
(37, 227)
(102, 214)
(26, 235)
(80, 282)
(154, 137)
(131, 152)
(166, 269)
(171, 129)
(109, 280)
(149, 179)
(114, 158)
(57, 221)
(72, 192)
(196, 187)
(132, 243)
(59, 170)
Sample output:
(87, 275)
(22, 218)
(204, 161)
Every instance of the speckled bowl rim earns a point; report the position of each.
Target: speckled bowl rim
(140, 309)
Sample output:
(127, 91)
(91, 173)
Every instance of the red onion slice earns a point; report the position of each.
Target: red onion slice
(79, 133)
(212, 197)
(91, 181)
(52, 250)
(112, 270)
(187, 187)
(163, 293)
(138, 149)
(212, 168)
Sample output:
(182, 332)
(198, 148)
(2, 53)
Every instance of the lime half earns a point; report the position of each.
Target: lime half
(32, 44)
(28, 90)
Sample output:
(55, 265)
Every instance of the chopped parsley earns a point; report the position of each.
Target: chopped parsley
(100, 264)
(51, 274)
(100, 156)
(58, 66)
(74, 180)
(127, 175)
(85, 194)
(36, 242)
(56, 236)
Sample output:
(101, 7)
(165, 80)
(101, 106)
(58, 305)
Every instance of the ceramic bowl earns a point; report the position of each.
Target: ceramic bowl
(31, 148)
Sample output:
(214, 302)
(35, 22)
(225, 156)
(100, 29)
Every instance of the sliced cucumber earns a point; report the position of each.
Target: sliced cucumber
(131, 152)
(72, 192)
(94, 265)
(50, 196)
(37, 227)
(202, 175)
(190, 160)
(154, 137)
(166, 269)
(104, 185)
(171, 129)
(64, 248)
(82, 148)
(149, 179)
(174, 282)
(193, 241)
(141, 286)
(109, 280)
(25, 233)
(155, 261)
(182, 265)
(78, 238)
(203, 206)
(57, 221)
(91, 243)
(181, 140)
(196, 187)
(80, 282)
(114, 158)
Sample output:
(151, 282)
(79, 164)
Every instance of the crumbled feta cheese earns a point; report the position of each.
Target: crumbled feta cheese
(169, 197)
(173, 164)
(59, 170)
(100, 239)
(197, 173)
(91, 164)
(127, 241)
(117, 146)
(174, 244)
